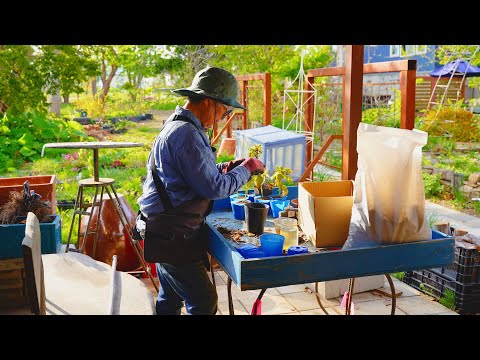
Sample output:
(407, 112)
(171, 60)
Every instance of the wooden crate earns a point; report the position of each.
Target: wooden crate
(13, 291)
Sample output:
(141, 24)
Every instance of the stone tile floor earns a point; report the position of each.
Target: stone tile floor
(301, 300)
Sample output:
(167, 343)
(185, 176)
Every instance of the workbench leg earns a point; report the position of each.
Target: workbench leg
(319, 301)
(394, 296)
(229, 291)
(212, 272)
(257, 302)
(348, 307)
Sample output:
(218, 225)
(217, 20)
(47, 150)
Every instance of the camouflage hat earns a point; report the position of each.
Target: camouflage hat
(214, 83)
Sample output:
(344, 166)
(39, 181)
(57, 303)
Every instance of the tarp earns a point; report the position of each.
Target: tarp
(460, 69)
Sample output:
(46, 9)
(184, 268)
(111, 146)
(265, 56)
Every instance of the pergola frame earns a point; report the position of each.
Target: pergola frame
(267, 104)
(352, 74)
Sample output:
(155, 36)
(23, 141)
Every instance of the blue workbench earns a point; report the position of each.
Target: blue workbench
(262, 273)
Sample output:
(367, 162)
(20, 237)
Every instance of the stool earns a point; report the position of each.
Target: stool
(101, 186)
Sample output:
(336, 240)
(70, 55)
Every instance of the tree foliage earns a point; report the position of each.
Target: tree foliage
(29, 73)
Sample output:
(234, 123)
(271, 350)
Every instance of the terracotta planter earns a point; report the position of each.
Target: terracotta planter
(43, 185)
(227, 146)
(112, 236)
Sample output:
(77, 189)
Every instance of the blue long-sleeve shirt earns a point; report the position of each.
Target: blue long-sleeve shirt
(186, 165)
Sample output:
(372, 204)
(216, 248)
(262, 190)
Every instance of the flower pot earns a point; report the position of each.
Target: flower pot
(255, 217)
(264, 200)
(12, 235)
(112, 235)
(278, 205)
(272, 244)
(227, 146)
(294, 203)
(239, 209)
(43, 185)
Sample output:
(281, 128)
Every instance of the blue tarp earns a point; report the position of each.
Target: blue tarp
(461, 68)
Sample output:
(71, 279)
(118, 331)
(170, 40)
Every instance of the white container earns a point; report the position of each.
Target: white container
(280, 148)
(336, 288)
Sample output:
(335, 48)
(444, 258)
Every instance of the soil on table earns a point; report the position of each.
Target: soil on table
(235, 232)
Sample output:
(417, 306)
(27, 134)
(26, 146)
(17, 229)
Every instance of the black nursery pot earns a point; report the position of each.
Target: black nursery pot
(255, 217)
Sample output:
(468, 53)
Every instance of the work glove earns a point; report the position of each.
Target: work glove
(230, 165)
(253, 165)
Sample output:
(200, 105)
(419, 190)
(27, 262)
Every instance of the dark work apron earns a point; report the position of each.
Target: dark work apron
(177, 235)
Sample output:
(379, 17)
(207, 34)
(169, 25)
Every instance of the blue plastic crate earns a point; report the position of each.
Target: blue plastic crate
(280, 148)
(11, 237)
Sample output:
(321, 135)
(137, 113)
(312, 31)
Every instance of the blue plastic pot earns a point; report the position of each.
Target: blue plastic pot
(238, 209)
(272, 244)
(277, 206)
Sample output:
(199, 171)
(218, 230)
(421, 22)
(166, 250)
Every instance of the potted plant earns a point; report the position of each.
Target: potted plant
(12, 223)
(279, 177)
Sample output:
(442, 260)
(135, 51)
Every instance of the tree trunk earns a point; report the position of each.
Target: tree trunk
(94, 86)
(56, 100)
(66, 98)
(107, 82)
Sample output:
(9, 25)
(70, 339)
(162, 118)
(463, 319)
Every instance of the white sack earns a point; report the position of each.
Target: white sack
(389, 198)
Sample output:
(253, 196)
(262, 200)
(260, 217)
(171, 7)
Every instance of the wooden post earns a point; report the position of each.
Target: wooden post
(244, 103)
(407, 88)
(267, 99)
(96, 175)
(352, 109)
(309, 121)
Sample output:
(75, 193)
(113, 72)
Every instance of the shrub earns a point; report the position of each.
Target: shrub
(432, 185)
(453, 120)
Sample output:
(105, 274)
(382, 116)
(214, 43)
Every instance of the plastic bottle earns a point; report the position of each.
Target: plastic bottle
(289, 229)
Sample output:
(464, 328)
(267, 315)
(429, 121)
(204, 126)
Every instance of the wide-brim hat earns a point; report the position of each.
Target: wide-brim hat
(215, 83)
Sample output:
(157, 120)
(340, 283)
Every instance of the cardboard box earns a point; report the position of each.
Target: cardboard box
(324, 211)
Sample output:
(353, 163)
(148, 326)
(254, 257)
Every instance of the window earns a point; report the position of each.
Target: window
(394, 50)
(409, 50)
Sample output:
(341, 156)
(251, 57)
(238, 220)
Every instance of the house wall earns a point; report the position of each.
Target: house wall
(379, 53)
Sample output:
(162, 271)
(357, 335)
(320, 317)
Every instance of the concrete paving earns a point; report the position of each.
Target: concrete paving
(456, 218)
(301, 300)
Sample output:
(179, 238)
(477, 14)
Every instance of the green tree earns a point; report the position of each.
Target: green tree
(21, 80)
(137, 62)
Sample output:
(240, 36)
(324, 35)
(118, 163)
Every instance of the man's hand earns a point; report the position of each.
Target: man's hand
(253, 165)
(231, 165)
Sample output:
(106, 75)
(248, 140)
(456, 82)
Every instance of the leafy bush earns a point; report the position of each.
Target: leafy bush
(448, 300)
(224, 157)
(92, 105)
(439, 144)
(22, 137)
(384, 115)
(455, 120)
(432, 185)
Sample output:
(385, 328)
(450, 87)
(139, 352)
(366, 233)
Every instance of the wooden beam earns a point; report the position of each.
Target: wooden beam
(244, 103)
(352, 105)
(407, 89)
(227, 124)
(385, 66)
(329, 71)
(267, 99)
(390, 66)
(317, 158)
(260, 76)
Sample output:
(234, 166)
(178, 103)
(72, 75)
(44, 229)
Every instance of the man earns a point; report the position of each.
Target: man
(188, 180)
